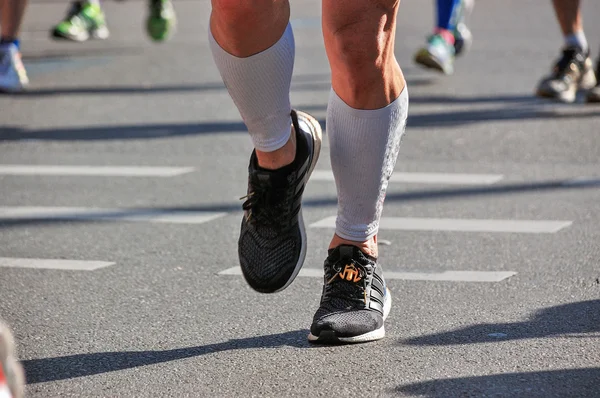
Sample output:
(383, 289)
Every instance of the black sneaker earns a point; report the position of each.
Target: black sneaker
(272, 243)
(573, 71)
(355, 299)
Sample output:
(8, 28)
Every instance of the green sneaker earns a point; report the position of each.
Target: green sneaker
(85, 20)
(161, 20)
(438, 55)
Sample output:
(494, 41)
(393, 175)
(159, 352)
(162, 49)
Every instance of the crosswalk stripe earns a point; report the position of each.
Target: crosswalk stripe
(426, 178)
(40, 263)
(443, 276)
(123, 214)
(100, 171)
(460, 225)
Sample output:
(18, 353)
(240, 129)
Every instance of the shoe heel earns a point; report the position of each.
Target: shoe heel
(588, 80)
(100, 33)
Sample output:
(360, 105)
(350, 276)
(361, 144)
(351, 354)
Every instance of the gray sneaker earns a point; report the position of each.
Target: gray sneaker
(272, 243)
(574, 71)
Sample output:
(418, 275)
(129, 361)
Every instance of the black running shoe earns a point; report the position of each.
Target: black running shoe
(272, 243)
(573, 71)
(355, 299)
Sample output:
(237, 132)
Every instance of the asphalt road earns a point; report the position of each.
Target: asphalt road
(491, 181)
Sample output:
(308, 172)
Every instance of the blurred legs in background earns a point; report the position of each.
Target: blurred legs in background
(85, 20)
(13, 77)
(451, 36)
(574, 69)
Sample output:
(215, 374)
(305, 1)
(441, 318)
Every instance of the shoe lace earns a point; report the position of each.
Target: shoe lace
(267, 205)
(348, 286)
(563, 66)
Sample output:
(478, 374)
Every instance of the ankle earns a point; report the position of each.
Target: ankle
(446, 34)
(279, 158)
(368, 247)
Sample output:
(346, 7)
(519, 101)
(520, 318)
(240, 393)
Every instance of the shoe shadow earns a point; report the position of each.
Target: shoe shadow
(79, 365)
(572, 320)
(583, 382)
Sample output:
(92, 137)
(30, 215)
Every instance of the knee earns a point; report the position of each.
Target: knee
(236, 12)
(361, 34)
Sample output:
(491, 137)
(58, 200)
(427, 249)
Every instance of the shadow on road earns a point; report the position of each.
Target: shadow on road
(124, 132)
(461, 118)
(145, 90)
(571, 320)
(79, 365)
(499, 189)
(581, 383)
(149, 131)
(299, 83)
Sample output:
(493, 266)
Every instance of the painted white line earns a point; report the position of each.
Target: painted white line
(123, 214)
(73, 265)
(461, 225)
(426, 178)
(444, 276)
(101, 171)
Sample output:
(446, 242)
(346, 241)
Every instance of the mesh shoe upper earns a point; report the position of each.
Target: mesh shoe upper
(352, 303)
(272, 237)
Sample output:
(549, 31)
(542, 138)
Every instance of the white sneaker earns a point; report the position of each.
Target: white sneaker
(12, 379)
(13, 77)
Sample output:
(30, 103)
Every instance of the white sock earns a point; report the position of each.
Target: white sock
(364, 147)
(260, 88)
(577, 39)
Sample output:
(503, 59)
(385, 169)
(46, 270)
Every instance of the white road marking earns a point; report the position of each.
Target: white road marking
(40, 263)
(461, 225)
(447, 276)
(122, 214)
(426, 178)
(100, 171)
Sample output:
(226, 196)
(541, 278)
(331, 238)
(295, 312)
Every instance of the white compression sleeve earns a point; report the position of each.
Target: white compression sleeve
(364, 146)
(260, 88)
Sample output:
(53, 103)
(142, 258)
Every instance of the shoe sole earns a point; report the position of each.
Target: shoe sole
(317, 136)
(99, 34)
(566, 97)
(329, 337)
(427, 60)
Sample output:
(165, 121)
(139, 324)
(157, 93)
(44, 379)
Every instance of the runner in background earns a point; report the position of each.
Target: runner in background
(450, 37)
(85, 20)
(13, 77)
(574, 70)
